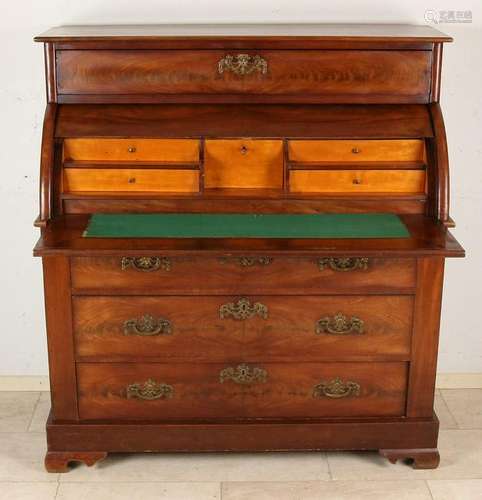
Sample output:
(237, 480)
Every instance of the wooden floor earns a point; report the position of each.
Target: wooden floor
(289, 476)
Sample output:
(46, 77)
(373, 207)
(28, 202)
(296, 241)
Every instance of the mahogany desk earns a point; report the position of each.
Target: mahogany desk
(243, 344)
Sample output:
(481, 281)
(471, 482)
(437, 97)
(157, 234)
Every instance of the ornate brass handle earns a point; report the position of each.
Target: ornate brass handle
(242, 64)
(336, 389)
(147, 326)
(339, 324)
(146, 264)
(150, 390)
(249, 261)
(243, 309)
(343, 264)
(243, 374)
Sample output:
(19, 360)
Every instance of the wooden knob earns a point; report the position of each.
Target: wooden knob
(356, 181)
(355, 150)
(243, 149)
(131, 180)
(131, 149)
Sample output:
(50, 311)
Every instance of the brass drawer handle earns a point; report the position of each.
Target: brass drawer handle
(147, 326)
(339, 324)
(343, 264)
(146, 264)
(249, 261)
(131, 149)
(149, 390)
(243, 374)
(336, 389)
(243, 309)
(242, 64)
(356, 150)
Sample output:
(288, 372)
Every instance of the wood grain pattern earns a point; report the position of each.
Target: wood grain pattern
(58, 316)
(206, 274)
(426, 325)
(337, 76)
(243, 163)
(356, 150)
(357, 181)
(132, 149)
(198, 392)
(130, 180)
(197, 333)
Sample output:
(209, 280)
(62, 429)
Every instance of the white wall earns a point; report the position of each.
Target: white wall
(22, 333)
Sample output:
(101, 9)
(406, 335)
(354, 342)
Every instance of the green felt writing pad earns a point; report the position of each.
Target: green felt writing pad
(245, 226)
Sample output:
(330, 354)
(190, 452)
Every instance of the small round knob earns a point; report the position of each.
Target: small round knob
(131, 180)
(355, 150)
(244, 149)
(131, 149)
(356, 181)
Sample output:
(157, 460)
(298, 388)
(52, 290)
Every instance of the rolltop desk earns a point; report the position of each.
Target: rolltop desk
(237, 343)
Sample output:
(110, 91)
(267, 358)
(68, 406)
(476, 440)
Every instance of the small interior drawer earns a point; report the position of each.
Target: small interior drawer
(357, 181)
(161, 150)
(129, 180)
(243, 163)
(411, 150)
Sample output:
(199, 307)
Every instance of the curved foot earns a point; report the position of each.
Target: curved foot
(421, 458)
(58, 461)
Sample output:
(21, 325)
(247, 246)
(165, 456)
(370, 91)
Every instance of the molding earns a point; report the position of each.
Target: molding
(41, 383)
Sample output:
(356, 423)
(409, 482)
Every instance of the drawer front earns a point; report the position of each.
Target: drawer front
(333, 76)
(243, 163)
(242, 390)
(131, 150)
(412, 150)
(130, 180)
(357, 181)
(223, 328)
(160, 275)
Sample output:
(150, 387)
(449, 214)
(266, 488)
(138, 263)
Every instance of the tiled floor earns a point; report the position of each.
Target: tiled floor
(290, 476)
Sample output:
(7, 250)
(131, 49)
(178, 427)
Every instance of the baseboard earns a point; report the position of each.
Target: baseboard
(41, 383)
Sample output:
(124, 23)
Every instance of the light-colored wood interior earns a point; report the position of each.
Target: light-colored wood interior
(357, 181)
(131, 150)
(130, 180)
(412, 150)
(243, 163)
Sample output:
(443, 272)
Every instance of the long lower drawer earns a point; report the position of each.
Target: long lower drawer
(224, 328)
(240, 390)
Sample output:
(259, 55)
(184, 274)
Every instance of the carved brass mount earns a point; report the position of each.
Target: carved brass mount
(343, 264)
(336, 389)
(243, 374)
(242, 64)
(339, 324)
(149, 390)
(243, 309)
(146, 264)
(147, 326)
(249, 261)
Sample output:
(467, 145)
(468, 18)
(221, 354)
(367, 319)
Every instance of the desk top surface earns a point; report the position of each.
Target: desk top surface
(345, 32)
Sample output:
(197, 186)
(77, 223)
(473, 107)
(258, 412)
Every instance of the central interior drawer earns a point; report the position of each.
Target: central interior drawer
(220, 328)
(240, 390)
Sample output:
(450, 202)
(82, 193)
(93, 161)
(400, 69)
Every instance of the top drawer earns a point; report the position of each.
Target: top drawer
(344, 76)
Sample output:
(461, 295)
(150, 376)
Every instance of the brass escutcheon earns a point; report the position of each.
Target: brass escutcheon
(242, 64)
(243, 374)
(243, 309)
